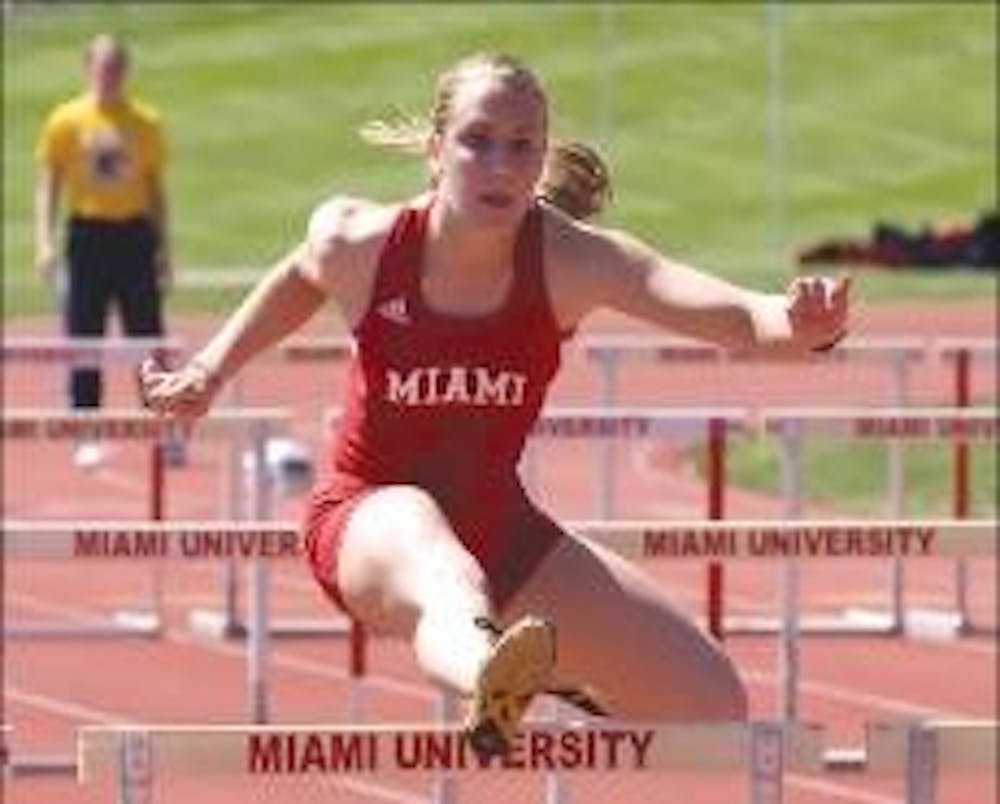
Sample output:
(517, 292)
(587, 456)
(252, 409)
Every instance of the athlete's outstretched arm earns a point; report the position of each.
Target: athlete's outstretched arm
(283, 300)
(621, 272)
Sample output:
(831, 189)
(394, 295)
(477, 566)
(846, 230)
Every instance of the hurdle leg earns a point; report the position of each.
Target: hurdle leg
(921, 782)
(157, 511)
(896, 469)
(960, 490)
(716, 510)
(135, 768)
(557, 789)
(258, 643)
(258, 628)
(788, 637)
(358, 647)
(446, 711)
(767, 763)
(239, 510)
(606, 467)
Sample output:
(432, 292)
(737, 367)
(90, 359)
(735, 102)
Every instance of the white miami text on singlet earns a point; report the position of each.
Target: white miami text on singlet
(455, 385)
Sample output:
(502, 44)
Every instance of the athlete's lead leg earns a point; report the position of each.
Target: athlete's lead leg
(404, 573)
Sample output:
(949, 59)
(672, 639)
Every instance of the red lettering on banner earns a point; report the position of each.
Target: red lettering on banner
(900, 427)
(264, 754)
(19, 429)
(102, 544)
(541, 750)
(311, 753)
(312, 756)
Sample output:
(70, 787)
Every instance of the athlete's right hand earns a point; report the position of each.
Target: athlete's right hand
(185, 393)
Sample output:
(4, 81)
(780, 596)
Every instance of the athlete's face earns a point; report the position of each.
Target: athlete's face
(488, 159)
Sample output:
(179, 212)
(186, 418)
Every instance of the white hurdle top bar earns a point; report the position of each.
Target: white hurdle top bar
(635, 539)
(344, 749)
(924, 423)
(620, 422)
(55, 349)
(132, 424)
(665, 348)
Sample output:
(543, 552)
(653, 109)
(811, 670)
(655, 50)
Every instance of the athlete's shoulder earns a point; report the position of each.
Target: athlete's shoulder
(344, 239)
(580, 259)
(349, 219)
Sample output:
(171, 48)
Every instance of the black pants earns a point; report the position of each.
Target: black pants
(110, 262)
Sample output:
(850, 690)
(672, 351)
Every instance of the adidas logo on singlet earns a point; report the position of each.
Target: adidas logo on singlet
(395, 310)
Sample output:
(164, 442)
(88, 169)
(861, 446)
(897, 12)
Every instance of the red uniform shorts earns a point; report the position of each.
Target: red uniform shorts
(508, 555)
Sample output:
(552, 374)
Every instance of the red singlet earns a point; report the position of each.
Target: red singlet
(445, 403)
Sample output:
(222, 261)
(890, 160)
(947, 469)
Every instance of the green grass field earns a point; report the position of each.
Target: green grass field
(853, 477)
(887, 111)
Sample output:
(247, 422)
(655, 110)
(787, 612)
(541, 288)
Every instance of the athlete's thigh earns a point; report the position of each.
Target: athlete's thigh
(397, 550)
(617, 631)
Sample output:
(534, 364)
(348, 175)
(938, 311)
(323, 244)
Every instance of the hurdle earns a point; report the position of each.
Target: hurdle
(609, 424)
(962, 353)
(130, 425)
(764, 750)
(260, 542)
(609, 351)
(790, 425)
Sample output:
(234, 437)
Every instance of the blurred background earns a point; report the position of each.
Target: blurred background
(738, 133)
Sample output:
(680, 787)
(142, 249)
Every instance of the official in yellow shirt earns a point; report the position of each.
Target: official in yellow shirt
(100, 159)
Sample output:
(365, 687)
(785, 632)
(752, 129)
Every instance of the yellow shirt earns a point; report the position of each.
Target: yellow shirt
(105, 156)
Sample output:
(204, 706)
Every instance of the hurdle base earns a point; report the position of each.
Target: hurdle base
(122, 623)
(845, 760)
(44, 765)
(881, 624)
(917, 623)
(971, 629)
(218, 624)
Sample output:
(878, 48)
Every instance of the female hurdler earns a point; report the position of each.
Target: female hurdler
(459, 301)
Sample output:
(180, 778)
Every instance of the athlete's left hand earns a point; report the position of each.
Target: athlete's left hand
(817, 311)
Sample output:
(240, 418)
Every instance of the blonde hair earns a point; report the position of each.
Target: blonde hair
(410, 132)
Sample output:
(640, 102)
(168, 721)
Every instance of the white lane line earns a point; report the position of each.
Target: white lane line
(64, 707)
(835, 692)
(279, 658)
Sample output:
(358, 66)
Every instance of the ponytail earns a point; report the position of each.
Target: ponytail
(575, 179)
